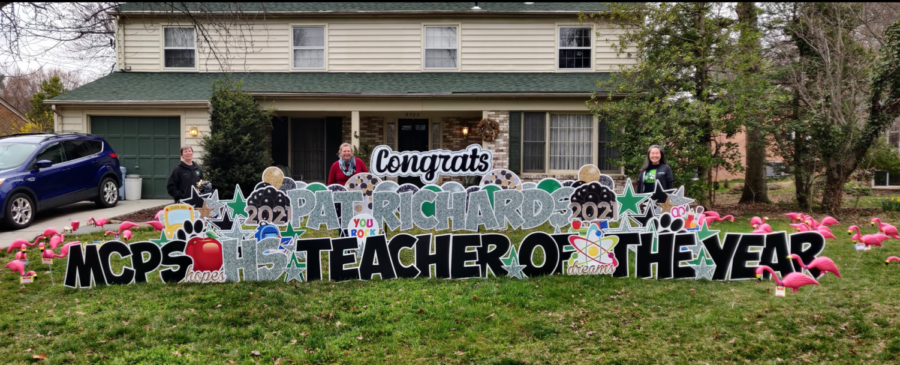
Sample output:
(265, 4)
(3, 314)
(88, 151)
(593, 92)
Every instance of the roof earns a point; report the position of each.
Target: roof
(13, 109)
(367, 7)
(170, 86)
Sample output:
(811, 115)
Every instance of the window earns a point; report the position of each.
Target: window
(390, 131)
(309, 47)
(570, 141)
(534, 141)
(883, 178)
(441, 48)
(52, 153)
(558, 142)
(78, 148)
(606, 152)
(575, 47)
(179, 48)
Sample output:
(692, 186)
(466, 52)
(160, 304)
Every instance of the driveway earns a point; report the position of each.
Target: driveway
(61, 217)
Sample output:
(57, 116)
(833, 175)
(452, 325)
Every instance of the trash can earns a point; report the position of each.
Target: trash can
(122, 183)
(133, 187)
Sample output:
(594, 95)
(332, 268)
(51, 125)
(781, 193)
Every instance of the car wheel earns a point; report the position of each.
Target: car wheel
(108, 195)
(19, 211)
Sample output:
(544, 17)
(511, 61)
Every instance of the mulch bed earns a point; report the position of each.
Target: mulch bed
(145, 215)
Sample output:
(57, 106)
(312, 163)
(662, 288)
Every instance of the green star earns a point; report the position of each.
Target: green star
(237, 204)
(705, 232)
(162, 239)
(629, 201)
(290, 232)
(701, 258)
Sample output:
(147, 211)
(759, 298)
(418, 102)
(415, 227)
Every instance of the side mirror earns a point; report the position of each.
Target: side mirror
(43, 164)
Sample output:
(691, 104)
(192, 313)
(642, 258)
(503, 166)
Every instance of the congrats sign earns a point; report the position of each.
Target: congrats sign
(595, 232)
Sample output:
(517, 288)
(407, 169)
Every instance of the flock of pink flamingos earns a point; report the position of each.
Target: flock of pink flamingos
(799, 221)
(55, 239)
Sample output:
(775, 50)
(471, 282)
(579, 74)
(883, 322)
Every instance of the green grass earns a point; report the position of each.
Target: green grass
(556, 319)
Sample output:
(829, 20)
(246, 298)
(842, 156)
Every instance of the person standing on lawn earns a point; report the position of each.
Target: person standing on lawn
(184, 176)
(655, 169)
(346, 166)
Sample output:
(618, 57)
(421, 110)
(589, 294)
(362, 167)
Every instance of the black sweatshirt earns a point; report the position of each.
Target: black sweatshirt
(648, 178)
(183, 177)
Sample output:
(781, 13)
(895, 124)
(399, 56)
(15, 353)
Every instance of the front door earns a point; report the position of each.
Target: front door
(412, 136)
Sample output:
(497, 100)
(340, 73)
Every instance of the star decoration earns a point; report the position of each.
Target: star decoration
(291, 232)
(162, 239)
(238, 203)
(361, 249)
(196, 200)
(695, 249)
(296, 272)
(704, 270)
(204, 210)
(667, 205)
(629, 201)
(625, 226)
(234, 232)
(677, 198)
(213, 200)
(223, 224)
(645, 217)
(511, 265)
(705, 232)
(659, 194)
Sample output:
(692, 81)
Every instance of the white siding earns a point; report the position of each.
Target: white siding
(367, 45)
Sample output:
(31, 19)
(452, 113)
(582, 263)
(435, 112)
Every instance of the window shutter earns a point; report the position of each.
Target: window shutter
(515, 142)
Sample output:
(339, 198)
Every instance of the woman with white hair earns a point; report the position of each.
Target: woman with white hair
(346, 166)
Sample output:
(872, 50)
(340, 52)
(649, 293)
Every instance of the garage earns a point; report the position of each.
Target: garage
(147, 146)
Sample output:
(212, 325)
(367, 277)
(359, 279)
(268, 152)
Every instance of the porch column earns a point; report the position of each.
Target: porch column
(354, 129)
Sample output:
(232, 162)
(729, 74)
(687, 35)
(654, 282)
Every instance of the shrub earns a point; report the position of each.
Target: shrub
(891, 205)
(857, 189)
(236, 151)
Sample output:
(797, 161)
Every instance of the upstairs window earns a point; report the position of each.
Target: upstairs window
(441, 47)
(180, 48)
(574, 47)
(309, 47)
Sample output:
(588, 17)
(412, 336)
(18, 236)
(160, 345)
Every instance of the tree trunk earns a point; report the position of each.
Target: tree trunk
(756, 189)
(833, 193)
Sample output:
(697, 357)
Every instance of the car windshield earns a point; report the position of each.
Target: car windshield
(15, 154)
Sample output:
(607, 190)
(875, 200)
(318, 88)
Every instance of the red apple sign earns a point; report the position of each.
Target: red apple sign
(206, 252)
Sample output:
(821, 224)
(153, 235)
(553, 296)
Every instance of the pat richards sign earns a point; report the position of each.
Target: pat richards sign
(575, 227)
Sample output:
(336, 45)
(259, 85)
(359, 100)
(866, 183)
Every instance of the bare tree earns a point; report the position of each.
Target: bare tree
(21, 86)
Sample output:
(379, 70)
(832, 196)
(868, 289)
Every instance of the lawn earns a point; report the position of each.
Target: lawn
(554, 319)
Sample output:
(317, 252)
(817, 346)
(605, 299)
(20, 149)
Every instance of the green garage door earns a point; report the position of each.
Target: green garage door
(147, 146)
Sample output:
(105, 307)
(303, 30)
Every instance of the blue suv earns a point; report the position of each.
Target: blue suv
(39, 171)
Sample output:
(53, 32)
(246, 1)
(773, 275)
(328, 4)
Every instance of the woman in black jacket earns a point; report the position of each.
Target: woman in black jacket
(655, 169)
(184, 176)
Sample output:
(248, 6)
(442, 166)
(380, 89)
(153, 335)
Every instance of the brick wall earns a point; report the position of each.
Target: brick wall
(9, 121)
(345, 130)
(371, 131)
(451, 133)
(500, 145)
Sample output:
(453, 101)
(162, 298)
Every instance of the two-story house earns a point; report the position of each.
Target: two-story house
(415, 76)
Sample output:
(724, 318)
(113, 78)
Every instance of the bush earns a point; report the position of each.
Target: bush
(857, 189)
(236, 151)
(891, 205)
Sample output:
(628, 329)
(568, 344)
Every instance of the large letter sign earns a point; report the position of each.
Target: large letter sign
(588, 230)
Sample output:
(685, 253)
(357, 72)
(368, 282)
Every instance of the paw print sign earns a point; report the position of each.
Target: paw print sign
(205, 251)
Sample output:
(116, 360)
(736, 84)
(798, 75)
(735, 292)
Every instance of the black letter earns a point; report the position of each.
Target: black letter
(337, 259)
(183, 262)
(816, 245)
(82, 266)
(313, 248)
(722, 254)
(424, 257)
(739, 269)
(141, 267)
(106, 251)
(459, 256)
(551, 254)
(398, 243)
(662, 257)
(489, 259)
(376, 249)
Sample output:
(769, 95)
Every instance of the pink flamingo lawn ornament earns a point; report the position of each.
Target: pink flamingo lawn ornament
(712, 216)
(126, 225)
(825, 232)
(75, 225)
(822, 263)
(794, 280)
(763, 228)
(856, 237)
(17, 244)
(158, 214)
(99, 222)
(829, 221)
(887, 229)
(126, 235)
(800, 227)
(65, 249)
(50, 232)
(19, 267)
(874, 239)
(46, 254)
(755, 222)
(891, 259)
(157, 226)
(811, 221)
(795, 217)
